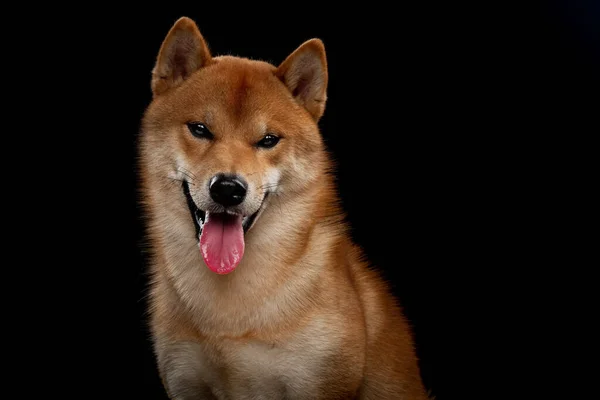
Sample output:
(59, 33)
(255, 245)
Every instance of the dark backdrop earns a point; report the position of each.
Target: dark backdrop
(439, 117)
(429, 110)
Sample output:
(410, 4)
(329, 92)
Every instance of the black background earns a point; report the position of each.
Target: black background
(441, 118)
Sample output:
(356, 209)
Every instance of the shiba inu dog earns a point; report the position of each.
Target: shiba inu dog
(257, 290)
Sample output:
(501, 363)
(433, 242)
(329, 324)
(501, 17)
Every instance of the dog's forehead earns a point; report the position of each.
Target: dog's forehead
(232, 92)
(239, 84)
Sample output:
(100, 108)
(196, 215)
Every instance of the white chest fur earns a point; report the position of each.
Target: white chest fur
(249, 370)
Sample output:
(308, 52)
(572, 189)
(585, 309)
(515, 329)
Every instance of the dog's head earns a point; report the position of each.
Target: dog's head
(226, 134)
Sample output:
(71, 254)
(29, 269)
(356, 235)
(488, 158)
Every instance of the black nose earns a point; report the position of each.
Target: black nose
(227, 190)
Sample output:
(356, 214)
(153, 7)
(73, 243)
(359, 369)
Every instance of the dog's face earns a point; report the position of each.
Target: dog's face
(229, 133)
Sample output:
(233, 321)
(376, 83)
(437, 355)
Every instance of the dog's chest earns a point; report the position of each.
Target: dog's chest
(250, 370)
(244, 371)
(281, 372)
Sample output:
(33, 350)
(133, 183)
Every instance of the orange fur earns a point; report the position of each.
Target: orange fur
(302, 316)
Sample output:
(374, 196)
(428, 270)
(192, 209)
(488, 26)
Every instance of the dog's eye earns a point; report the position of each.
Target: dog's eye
(268, 141)
(199, 130)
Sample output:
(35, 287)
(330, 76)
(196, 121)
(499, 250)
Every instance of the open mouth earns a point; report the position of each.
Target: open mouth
(220, 234)
(199, 216)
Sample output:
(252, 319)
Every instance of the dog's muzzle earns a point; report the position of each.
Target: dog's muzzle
(199, 216)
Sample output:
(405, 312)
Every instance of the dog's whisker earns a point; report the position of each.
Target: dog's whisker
(180, 180)
(268, 186)
(186, 172)
(188, 176)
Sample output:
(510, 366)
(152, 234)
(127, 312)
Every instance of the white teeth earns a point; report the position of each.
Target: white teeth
(200, 222)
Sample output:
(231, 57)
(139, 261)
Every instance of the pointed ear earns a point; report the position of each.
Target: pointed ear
(183, 52)
(304, 72)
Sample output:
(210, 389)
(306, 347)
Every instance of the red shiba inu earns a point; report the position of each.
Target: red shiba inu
(257, 290)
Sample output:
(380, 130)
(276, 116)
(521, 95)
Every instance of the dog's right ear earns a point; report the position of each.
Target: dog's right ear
(182, 53)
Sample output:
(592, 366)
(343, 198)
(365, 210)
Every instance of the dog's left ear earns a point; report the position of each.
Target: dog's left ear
(304, 72)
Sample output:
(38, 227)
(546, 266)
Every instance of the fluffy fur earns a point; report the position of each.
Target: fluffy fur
(302, 316)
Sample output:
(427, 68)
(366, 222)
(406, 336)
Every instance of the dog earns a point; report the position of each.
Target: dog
(257, 290)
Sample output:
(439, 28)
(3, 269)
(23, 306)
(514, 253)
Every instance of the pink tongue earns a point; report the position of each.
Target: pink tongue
(222, 242)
